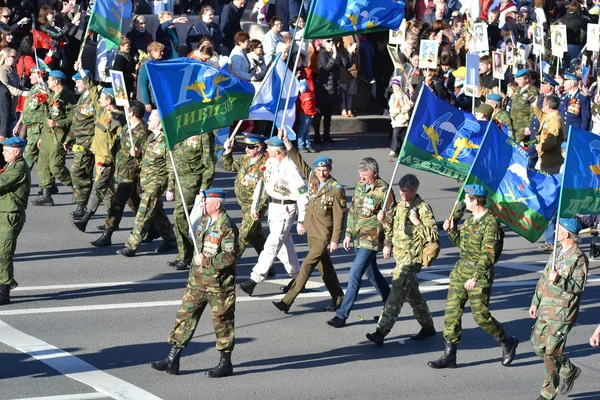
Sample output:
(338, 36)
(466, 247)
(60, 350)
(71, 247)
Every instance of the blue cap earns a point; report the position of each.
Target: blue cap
(215, 193)
(109, 92)
(570, 224)
(253, 138)
(323, 161)
(521, 72)
(570, 76)
(58, 74)
(78, 76)
(15, 142)
(494, 97)
(563, 145)
(476, 190)
(547, 79)
(275, 142)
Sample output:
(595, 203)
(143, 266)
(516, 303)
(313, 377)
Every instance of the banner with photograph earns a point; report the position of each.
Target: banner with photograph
(538, 39)
(498, 65)
(480, 38)
(428, 53)
(593, 38)
(399, 36)
(558, 40)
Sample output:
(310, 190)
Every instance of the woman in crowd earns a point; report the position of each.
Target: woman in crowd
(9, 76)
(240, 63)
(205, 27)
(349, 75)
(576, 25)
(167, 34)
(205, 53)
(26, 60)
(124, 63)
(271, 39)
(59, 35)
(138, 36)
(257, 61)
(6, 37)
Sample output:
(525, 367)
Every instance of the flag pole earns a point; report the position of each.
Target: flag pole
(129, 127)
(287, 100)
(562, 187)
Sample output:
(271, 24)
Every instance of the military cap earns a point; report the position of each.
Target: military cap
(275, 142)
(476, 190)
(571, 77)
(78, 76)
(521, 72)
(462, 71)
(253, 138)
(323, 161)
(570, 224)
(485, 109)
(215, 193)
(15, 142)
(547, 79)
(563, 145)
(58, 74)
(109, 92)
(494, 97)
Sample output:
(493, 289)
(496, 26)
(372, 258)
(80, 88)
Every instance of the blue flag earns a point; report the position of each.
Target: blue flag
(441, 139)
(106, 19)
(220, 138)
(580, 193)
(522, 198)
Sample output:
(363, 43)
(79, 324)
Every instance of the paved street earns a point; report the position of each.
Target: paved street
(85, 322)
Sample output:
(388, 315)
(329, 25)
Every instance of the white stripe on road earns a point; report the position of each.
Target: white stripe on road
(79, 396)
(71, 366)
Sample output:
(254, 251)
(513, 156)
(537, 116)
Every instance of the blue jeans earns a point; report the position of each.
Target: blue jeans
(304, 122)
(365, 262)
(549, 232)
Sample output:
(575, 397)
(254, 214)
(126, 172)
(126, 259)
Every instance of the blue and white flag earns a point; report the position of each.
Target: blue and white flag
(106, 52)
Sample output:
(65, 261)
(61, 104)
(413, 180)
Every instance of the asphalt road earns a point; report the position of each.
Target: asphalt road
(85, 322)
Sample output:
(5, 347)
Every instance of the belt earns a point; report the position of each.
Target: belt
(281, 201)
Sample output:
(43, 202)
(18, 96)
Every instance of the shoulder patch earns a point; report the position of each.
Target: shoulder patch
(302, 189)
(228, 245)
(337, 186)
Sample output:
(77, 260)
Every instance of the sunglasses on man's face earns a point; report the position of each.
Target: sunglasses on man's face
(250, 146)
(328, 41)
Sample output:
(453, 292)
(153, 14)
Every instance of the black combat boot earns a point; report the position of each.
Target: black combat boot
(82, 223)
(224, 368)
(170, 364)
(45, 199)
(4, 294)
(126, 252)
(448, 359)
(53, 190)
(286, 288)
(248, 286)
(424, 333)
(569, 381)
(509, 347)
(151, 235)
(104, 240)
(376, 337)
(281, 306)
(79, 212)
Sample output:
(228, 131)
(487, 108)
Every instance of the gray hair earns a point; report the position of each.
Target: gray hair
(409, 181)
(368, 164)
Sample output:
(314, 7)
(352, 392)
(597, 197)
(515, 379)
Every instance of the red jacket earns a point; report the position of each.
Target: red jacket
(307, 101)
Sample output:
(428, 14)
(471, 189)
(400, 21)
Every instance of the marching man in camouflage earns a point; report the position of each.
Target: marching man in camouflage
(521, 111)
(15, 184)
(51, 160)
(153, 180)
(366, 233)
(211, 282)
(555, 306)
(410, 234)
(324, 222)
(480, 243)
(34, 115)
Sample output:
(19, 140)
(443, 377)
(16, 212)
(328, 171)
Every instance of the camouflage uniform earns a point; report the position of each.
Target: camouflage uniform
(324, 221)
(249, 174)
(51, 161)
(34, 115)
(213, 284)
(195, 162)
(521, 112)
(127, 175)
(557, 309)
(408, 242)
(480, 242)
(504, 117)
(80, 136)
(153, 179)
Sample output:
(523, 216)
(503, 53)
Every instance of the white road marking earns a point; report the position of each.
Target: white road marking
(71, 366)
(79, 396)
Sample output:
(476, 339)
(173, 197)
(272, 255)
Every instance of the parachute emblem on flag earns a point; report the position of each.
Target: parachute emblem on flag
(208, 79)
(358, 11)
(461, 138)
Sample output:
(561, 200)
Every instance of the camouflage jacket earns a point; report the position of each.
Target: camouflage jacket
(156, 165)
(480, 242)
(218, 241)
(60, 110)
(504, 117)
(195, 156)
(362, 225)
(559, 301)
(249, 173)
(521, 112)
(326, 203)
(408, 240)
(15, 184)
(34, 112)
(128, 167)
(84, 116)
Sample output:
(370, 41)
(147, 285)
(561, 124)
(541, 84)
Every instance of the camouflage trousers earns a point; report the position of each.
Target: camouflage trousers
(548, 340)
(10, 227)
(317, 256)
(82, 172)
(150, 212)
(125, 193)
(51, 162)
(190, 186)
(405, 287)
(193, 304)
(31, 152)
(251, 231)
(479, 299)
(103, 189)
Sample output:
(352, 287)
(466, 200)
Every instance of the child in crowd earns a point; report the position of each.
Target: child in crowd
(306, 103)
(511, 89)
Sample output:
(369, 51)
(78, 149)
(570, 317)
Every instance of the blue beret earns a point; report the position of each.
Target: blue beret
(253, 138)
(323, 161)
(521, 72)
(108, 91)
(275, 142)
(570, 76)
(78, 76)
(215, 193)
(563, 145)
(570, 224)
(547, 79)
(15, 142)
(476, 190)
(494, 97)
(58, 74)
